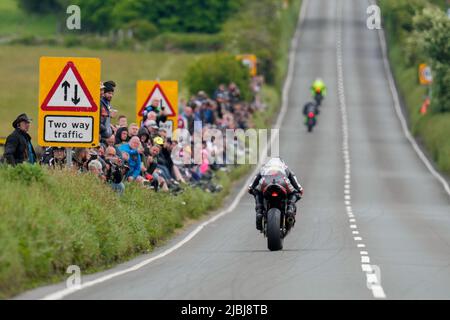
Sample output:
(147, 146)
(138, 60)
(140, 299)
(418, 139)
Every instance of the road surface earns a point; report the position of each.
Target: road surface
(357, 164)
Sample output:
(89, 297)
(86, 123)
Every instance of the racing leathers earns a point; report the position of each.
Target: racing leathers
(275, 169)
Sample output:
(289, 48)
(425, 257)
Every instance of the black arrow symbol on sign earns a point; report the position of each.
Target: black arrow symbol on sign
(65, 85)
(75, 99)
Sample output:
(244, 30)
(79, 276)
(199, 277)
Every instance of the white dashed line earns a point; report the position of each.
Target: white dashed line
(372, 279)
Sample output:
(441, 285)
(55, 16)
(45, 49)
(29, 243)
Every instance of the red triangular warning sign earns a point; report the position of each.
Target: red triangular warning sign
(69, 93)
(158, 93)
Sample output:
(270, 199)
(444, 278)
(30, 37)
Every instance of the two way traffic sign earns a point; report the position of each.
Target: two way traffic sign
(69, 97)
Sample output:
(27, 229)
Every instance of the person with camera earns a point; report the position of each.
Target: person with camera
(115, 170)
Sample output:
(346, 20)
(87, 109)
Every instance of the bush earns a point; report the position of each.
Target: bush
(142, 29)
(25, 173)
(431, 33)
(210, 71)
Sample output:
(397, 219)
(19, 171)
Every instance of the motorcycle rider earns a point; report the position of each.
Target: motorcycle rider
(318, 87)
(310, 107)
(275, 167)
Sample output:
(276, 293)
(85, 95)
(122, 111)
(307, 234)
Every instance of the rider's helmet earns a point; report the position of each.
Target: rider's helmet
(274, 166)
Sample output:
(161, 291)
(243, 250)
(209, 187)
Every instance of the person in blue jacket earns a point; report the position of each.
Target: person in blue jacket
(134, 159)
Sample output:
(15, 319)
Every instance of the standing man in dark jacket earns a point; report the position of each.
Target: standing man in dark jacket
(106, 111)
(18, 147)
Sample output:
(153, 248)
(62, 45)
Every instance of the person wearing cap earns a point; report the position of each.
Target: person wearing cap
(105, 109)
(153, 128)
(18, 147)
(58, 161)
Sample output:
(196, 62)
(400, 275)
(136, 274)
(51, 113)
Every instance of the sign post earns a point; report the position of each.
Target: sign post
(426, 78)
(162, 93)
(69, 100)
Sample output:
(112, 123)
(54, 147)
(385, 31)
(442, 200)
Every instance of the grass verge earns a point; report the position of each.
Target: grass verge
(53, 219)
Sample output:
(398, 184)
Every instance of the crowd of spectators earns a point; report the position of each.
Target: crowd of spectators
(142, 152)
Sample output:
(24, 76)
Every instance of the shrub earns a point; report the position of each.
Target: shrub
(210, 71)
(142, 29)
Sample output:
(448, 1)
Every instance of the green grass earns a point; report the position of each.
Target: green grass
(288, 23)
(19, 67)
(14, 22)
(50, 221)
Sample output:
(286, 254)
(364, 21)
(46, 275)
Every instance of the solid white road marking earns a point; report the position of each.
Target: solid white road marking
(398, 110)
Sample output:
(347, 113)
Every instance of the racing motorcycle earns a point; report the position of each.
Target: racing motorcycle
(318, 97)
(276, 224)
(311, 120)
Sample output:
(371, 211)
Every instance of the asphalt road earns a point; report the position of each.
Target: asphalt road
(401, 212)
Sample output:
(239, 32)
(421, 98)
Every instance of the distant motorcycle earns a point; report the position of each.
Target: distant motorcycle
(318, 97)
(276, 224)
(311, 120)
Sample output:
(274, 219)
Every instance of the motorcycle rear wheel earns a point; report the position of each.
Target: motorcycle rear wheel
(274, 233)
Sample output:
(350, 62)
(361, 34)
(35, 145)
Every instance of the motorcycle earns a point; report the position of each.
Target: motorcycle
(276, 224)
(311, 120)
(318, 97)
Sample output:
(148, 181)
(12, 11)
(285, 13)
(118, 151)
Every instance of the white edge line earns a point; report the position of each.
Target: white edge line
(395, 96)
(286, 87)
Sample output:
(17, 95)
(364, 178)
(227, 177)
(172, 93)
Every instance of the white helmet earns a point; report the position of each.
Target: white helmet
(274, 164)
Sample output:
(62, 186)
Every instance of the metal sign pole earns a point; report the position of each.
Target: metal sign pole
(69, 158)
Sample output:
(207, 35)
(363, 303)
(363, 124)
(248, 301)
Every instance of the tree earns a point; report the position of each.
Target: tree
(432, 37)
(208, 72)
(43, 6)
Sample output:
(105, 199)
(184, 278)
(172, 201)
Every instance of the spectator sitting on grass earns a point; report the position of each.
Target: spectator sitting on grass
(122, 122)
(59, 158)
(95, 167)
(144, 136)
(114, 170)
(80, 159)
(121, 136)
(152, 128)
(134, 161)
(110, 142)
(133, 130)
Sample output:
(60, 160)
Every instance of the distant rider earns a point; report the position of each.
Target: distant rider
(275, 168)
(310, 107)
(318, 87)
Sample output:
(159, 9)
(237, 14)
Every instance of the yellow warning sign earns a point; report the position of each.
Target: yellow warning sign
(69, 102)
(250, 61)
(160, 97)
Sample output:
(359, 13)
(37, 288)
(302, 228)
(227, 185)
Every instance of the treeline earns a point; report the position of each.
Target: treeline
(418, 32)
(102, 16)
(422, 29)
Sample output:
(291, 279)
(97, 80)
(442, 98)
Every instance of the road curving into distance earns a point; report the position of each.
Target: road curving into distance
(372, 211)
